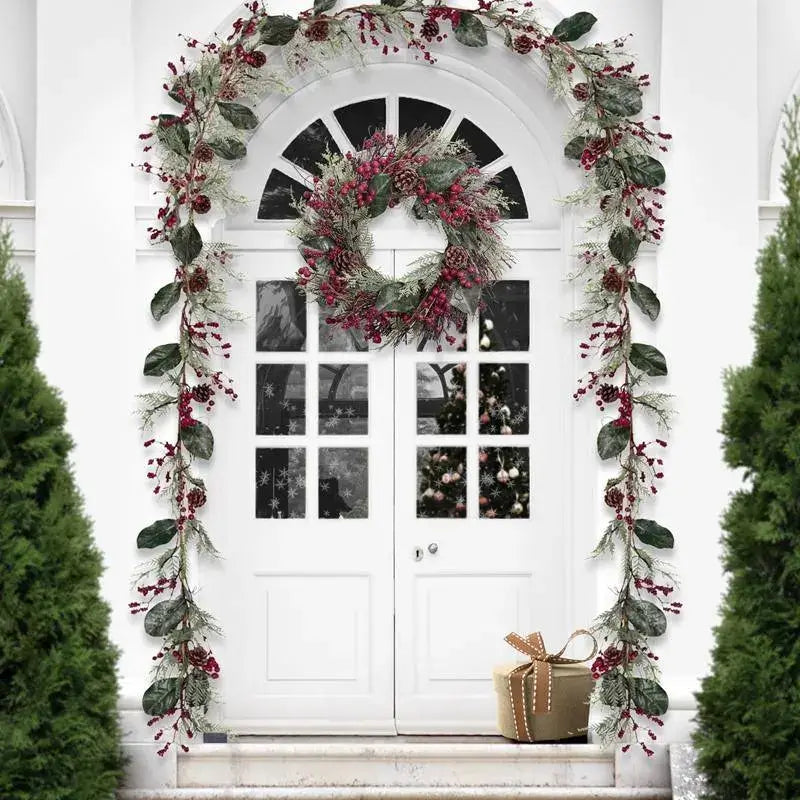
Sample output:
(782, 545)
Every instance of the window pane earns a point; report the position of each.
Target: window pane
(280, 399)
(276, 199)
(309, 146)
(503, 398)
(442, 482)
(507, 181)
(343, 398)
(504, 483)
(441, 398)
(505, 321)
(280, 317)
(343, 483)
(416, 113)
(332, 339)
(281, 483)
(360, 120)
(480, 143)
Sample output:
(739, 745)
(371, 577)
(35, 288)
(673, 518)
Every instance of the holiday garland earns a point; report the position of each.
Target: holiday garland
(614, 148)
(445, 187)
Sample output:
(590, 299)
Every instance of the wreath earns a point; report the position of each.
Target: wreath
(606, 136)
(438, 180)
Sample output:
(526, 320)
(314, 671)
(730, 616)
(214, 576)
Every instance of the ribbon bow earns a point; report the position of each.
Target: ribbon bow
(540, 666)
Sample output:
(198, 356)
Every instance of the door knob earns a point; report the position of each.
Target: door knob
(433, 548)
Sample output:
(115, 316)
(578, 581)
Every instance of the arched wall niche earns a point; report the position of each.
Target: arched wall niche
(12, 165)
(778, 158)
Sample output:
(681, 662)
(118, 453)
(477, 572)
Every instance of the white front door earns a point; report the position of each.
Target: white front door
(383, 524)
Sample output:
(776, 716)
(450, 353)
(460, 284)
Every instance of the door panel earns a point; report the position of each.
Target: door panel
(471, 564)
(305, 467)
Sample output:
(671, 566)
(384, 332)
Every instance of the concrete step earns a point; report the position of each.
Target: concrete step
(400, 793)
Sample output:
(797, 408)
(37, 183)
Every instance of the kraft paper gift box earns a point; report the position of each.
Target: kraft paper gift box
(545, 698)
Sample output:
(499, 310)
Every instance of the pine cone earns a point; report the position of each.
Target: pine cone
(201, 204)
(608, 393)
(198, 280)
(345, 260)
(198, 656)
(614, 498)
(430, 29)
(202, 393)
(256, 58)
(317, 31)
(196, 497)
(406, 180)
(203, 152)
(612, 281)
(455, 257)
(523, 44)
(581, 92)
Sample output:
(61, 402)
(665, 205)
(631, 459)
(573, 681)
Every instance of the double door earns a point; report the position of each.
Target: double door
(386, 517)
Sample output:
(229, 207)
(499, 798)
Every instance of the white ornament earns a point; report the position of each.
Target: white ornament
(513, 473)
(446, 478)
(454, 476)
(428, 492)
(506, 430)
(486, 342)
(517, 508)
(488, 324)
(502, 476)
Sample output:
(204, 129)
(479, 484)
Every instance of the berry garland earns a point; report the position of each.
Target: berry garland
(444, 288)
(214, 93)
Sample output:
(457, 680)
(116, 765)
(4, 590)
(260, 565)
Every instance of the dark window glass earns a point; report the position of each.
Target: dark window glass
(281, 483)
(507, 181)
(343, 398)
(343, 482)
(332, 339)
(506, 319)
(484, 147)
(360, 120)
(416, 113)
(503, 398)
(505, 483)
(309, 146)
(441, 398)
(280, 399)
(276, 200)
(280, 317)
(442, 482)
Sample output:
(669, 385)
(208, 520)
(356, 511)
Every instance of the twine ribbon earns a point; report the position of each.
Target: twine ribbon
(540, 667)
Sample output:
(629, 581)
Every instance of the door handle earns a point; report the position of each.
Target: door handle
(433, 548)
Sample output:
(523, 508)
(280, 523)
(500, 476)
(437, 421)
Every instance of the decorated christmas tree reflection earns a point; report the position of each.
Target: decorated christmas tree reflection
(442, 482)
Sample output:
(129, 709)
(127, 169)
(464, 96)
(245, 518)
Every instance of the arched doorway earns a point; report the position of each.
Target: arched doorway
(353, 598)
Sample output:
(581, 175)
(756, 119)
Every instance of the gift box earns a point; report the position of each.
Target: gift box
(545, 698)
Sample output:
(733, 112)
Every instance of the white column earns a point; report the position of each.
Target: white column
(86, 140)
(706, 281)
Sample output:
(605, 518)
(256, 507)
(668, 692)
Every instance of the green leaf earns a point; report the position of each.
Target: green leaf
(572, 28)
(186, 243)
(161, 696)
(164, 299)
(643, 170)
(650, 532)
(173, 134)
(649, 696)
(321, 6)
(470, 30)
(160, 532)
(197, 689)
(198, 439)
(466, 300)
(608, 174)
(390, 298)
(646, 617)
(648, 359)
(612, 689)
(164, 617)
(441, 173)
(241, 117)
(645, 298)
(161, 359)
(381, 184)
(618, 97)
(228, 148)
(612, 440)
(575, 147)
(278, 30)
(624, 245)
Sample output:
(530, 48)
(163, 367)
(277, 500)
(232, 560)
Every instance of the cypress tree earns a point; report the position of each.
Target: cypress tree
(748, 735)
(59, 733)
